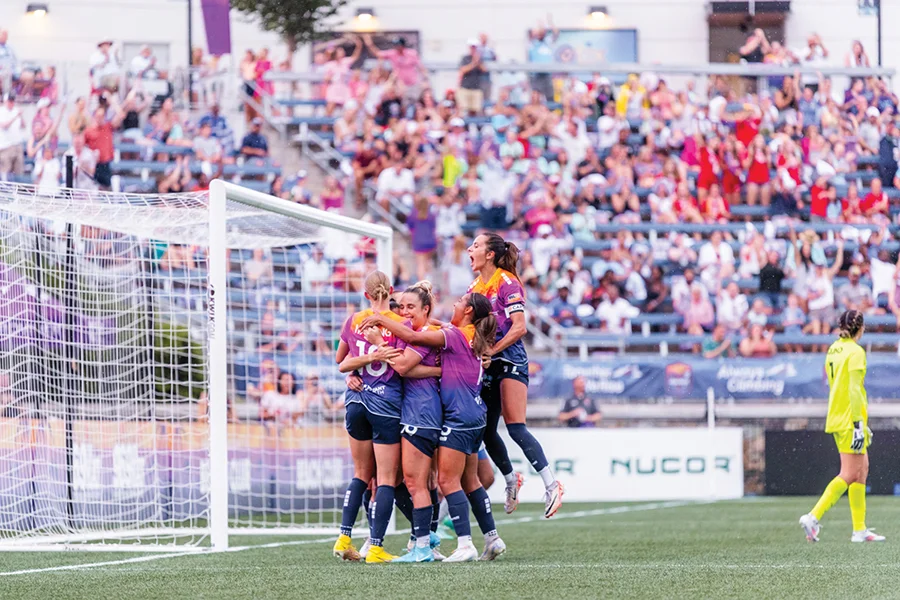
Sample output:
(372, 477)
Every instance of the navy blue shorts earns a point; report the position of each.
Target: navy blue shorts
(500, 370)
(467, 441)
(423, 440)
(363, 425)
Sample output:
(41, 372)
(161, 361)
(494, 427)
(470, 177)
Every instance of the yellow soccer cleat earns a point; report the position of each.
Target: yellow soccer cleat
(377, 554)
(343, 549)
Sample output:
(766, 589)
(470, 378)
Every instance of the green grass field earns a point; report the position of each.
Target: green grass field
(739, 549)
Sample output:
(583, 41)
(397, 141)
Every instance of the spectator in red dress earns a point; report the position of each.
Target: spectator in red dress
(821, 194)
(851, 206)
(714, 208)
(710, 167)
(685, 205)
(731, 169)
(756, 163)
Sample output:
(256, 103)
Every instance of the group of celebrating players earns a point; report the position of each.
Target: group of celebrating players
(424, 397)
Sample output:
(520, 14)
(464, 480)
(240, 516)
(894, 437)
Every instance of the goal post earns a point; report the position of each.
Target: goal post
(167, 375)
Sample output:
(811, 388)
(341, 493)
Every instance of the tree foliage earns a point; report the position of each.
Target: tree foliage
(298, 22)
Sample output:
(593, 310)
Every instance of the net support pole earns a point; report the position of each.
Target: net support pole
(67, 370)
(711, 441)
(218, 368)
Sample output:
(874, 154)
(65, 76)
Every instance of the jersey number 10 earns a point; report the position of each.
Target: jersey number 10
(375, 369)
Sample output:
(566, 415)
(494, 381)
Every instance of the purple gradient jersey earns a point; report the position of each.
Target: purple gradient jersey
(382, 386)
(507, 298)
(422, 397)
(461, 375)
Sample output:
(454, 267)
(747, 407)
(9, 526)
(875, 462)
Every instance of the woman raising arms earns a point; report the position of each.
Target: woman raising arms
(506, 380)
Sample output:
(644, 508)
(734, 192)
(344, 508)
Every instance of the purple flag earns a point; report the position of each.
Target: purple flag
(218, 26)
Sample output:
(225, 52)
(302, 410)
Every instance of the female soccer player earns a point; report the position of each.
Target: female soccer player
(506, 381)
(421, 418)
(845, 366)
(462, 345)
(372, 420)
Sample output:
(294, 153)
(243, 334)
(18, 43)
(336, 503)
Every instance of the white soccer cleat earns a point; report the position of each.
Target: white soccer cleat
(553, 499)
(438, 557)
(811, 526)
(364, 550)
(463, 554)
(866, 535)
(512, 494)
(493, 549)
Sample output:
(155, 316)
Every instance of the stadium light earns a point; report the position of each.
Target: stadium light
(38, 10)
(598, 12)
(365, 14)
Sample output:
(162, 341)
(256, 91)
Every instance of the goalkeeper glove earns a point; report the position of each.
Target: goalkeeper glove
(859, 437)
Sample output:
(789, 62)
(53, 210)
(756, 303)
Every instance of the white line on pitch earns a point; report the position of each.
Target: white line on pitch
(615, 510)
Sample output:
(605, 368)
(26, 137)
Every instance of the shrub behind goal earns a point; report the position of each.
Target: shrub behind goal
(139, 336)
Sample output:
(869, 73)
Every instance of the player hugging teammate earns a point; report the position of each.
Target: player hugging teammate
(415, 404)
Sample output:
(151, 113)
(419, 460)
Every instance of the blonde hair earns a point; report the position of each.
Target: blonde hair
(378, 286)
(422, 291)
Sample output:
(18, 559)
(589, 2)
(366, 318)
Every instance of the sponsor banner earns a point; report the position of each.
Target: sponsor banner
(642, 378)
(606, 465)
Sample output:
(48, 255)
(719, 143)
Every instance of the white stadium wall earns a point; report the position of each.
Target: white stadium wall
(669, 31)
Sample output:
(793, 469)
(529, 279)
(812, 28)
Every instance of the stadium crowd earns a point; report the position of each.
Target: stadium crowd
(574, 168)
(570, 168)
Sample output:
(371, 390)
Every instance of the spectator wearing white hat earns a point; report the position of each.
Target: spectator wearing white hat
(869, 132)
(104, 67)
(470, 95)
(143, 66)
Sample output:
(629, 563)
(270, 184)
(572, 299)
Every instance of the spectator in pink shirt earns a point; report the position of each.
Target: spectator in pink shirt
(405, 64)
(699, 315)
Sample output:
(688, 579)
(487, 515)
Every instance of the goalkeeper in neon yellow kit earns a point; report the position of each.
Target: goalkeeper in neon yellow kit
(845, 366)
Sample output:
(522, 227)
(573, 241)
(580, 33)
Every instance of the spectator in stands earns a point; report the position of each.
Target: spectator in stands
(498, 182)
(857, 56)
(893, 289)
(580, 410)
(876, 202)
(12, 125)
(269, 375)
(821, 294)
(869, 131)
(698, 313)
(99, 137)
(258, 271)
(888, 150)
(758, 344)
(488, 55)
(337, 75)
(47, 173)
(264, 87)
(296, 189)
(207, 148)
(315, 401)
(541, 51)
(756, 47)
(422, 223)
(759, 313)
(176, 180)
(854, 294)
(396, 183)
(658, 299)
(283, 404)
(715, 261)
(9, 64)
(254, 144)
(105, 68)
(615, 313)
(560, 306)
(332, 196)
(405, 65)
(470, 95)
(718, 345)
(84, 164)
(143, 66)
(753, 255)
(79, 119)
(315, 272)
(732, 308)
(221, 130)
(770, 278)
(248, 76)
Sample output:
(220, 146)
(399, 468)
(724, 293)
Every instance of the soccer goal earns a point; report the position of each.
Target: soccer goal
(167, 375)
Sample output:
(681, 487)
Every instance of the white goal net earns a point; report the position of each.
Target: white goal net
(167, 369)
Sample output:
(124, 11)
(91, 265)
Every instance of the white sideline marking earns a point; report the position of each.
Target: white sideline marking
(615, 510)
